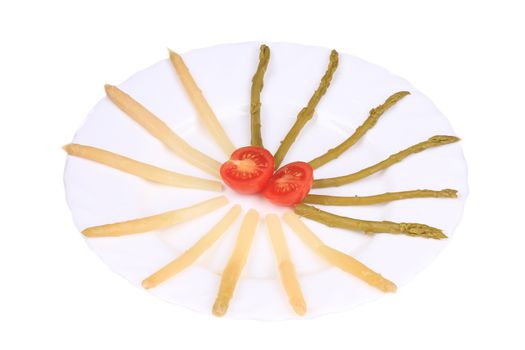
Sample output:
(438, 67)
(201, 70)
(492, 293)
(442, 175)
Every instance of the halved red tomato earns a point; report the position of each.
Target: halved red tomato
(248, 169)
(290, 184)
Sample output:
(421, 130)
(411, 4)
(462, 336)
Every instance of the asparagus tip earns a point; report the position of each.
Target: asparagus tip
(334, 58)
(422, 230)
(299, 307)
(108, 88)
(264, 55)
(88, 232)
(400, 94)
(147, 284)
(443, 139)
(449, 193)
(440, 235)
(173, 54)
(388, 286)
(220, 308)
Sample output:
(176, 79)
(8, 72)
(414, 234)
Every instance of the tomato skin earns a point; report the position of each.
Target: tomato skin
(248, 169)
(290, 184)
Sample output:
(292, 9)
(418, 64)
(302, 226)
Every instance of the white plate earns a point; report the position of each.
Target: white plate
(99, 195)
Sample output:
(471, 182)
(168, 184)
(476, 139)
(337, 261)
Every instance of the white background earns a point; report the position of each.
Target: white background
(54, 59)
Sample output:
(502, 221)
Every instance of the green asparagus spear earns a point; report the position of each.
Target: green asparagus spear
(379, 198)
(257, 86)
(373, 117)
(366, 226)
(307, 112)
(393, 159)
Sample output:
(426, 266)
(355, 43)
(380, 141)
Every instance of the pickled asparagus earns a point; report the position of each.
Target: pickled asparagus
(236, 263)
(369, 123)
(161, 131)
(379, 198)
(367, 226)
(434, 141)
(158, 221)
(286, 267)
(339, 259)
(143, 170)
(255, 104)
(201, 105)
(189, 256)
(307, 112)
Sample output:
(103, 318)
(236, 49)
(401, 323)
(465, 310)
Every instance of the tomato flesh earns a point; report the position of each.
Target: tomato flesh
(248, 169)
(290, 184)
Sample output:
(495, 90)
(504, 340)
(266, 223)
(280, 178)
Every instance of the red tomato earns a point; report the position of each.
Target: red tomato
(290, 184)
(248, 169)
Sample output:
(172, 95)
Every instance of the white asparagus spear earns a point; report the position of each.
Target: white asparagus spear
(143, 170)
(189, 256)
(286, 267)
(201, 105)
(158, 221)
(236, 263)
(161, 131)
(343, 261)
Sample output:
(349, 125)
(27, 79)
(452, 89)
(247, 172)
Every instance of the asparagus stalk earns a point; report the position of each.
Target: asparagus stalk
(143, 170)
(192, 254)
(158, 221)
(393, 159)
(236, 263)
(373, 117)
(379, 198)
(366, 226)
(339, 259)
(201, 105)
(161, 131)
(286, 267)
(255, 105)
(307, 112)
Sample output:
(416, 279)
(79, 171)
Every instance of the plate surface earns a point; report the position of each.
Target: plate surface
(99, 195)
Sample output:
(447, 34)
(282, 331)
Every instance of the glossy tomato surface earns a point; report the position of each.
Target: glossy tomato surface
(290, 184)
(248, 169)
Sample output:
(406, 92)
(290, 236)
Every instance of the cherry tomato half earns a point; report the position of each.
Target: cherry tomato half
(248, 169)
(290, 184)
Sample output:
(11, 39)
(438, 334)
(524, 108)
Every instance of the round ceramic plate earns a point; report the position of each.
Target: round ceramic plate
(98, 195)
